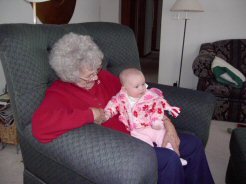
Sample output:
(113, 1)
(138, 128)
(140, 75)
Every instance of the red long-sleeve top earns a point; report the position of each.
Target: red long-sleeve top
(66, 107)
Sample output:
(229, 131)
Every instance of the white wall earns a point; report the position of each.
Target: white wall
(110, 10)
(20, 11)
(96, 10)
(222, 19)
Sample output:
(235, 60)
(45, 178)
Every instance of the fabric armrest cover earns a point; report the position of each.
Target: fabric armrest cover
(99, 154)
(202, 63)
(202, 66)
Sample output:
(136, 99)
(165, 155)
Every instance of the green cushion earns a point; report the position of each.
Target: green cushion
(226, 73)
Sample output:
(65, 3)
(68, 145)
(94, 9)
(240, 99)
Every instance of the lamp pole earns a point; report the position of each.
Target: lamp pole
(34, 8)
(182, 53)
(185, 6)
(34, 12)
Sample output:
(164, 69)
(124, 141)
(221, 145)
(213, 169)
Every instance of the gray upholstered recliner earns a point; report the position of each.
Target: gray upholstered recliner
(91, 154)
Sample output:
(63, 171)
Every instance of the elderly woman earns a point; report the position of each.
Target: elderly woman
(81, 93)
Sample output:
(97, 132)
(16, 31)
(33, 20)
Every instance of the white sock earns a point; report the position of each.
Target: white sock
(183, 162)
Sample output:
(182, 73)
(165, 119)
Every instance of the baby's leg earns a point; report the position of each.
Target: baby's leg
(142, 134)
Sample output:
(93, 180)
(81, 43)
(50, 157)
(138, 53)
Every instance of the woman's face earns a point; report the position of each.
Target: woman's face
(88, 78)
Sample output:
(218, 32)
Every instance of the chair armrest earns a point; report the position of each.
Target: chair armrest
(197, 108)
(100, 155)
(202, 63)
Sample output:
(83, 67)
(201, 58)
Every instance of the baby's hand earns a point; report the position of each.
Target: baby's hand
(98, 114)
(107, 115)
(157, 125)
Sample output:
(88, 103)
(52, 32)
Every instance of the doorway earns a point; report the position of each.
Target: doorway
(144, 18)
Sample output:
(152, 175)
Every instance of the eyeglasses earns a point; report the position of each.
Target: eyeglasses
(92, 76)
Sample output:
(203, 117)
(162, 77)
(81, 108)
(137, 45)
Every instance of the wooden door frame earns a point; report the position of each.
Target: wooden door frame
(133, 15)
(155, 22)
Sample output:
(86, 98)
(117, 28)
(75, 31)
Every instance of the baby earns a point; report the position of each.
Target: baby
(141, 110)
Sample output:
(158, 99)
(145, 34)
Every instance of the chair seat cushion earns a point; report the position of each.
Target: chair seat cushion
(216, 88)
(223, 91)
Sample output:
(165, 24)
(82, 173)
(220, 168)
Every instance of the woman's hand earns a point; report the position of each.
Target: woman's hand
(171, 136)
(98, 114)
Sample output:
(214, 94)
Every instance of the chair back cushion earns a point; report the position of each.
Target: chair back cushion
(24, 51)
(233, 51)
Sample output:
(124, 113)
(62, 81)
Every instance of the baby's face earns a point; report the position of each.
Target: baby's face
(135, 86)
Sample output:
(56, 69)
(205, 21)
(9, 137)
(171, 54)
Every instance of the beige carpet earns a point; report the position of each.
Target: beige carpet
(217, 151)
(11, 166)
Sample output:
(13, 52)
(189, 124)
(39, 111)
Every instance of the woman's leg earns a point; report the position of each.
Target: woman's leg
(170, 169)
(197, 169)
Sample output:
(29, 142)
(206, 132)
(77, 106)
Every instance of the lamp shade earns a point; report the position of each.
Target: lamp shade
(187, 6)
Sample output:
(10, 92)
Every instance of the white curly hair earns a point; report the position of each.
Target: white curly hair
(73, 52)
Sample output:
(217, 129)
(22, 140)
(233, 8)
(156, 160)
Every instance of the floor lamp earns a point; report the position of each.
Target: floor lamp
(185, 6)
(34, 8)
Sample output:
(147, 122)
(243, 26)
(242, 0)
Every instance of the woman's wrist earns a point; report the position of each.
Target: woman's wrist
(168, 123)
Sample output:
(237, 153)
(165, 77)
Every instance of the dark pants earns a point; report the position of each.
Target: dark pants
(170, 169)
